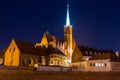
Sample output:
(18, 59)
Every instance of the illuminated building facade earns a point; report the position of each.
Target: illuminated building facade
(51, 51)
(94, 60)
(68, 37)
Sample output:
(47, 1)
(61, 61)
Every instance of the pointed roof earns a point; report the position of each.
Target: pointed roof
(67, 16)
(51, 38)
(28, 48)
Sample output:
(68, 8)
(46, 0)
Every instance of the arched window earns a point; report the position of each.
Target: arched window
(90, 64)
(51, 62)
(29, 61)
(14, 49)
(23, 62)
(105, 65)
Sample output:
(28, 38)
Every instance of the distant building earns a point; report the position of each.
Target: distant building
(90, 59)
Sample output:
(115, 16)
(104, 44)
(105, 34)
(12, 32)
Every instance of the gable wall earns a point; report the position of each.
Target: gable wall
(12, 55)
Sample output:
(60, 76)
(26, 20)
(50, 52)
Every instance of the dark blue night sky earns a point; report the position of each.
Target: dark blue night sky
(96, 23)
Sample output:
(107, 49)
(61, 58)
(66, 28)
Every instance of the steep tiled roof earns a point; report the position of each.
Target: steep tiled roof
(28, 48)
(97, 53)
(51, 50)
(105, 56)
(90, 50)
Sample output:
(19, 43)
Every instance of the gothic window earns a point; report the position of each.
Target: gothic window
(105, 65)
(10, 50)
(14, 49)
(90, 64)
(29, 61)
(23, 62)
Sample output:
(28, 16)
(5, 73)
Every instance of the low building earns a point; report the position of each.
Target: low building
(96, 66)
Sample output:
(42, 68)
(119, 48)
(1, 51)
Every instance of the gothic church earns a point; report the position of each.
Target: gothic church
(49, 51)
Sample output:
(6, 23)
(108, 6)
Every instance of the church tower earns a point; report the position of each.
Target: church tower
(68, 37)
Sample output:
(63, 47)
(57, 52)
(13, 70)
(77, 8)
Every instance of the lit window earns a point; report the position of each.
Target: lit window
(86, 52)
(95, 52)
(99, 64)
(99, 53)
(90, 53)
(96, 64)
(102, 64)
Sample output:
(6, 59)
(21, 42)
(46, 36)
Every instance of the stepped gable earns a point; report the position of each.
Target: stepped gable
(51, 38)
(28, 48)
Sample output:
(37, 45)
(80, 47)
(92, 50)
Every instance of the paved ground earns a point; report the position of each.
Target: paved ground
(18, 74)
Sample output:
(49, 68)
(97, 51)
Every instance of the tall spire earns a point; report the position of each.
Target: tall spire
(67, 16)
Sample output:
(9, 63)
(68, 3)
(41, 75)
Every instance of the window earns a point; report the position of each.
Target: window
(95, 52)
(86, 52)
(105, 65)
(90, 53)
(23, 62)
(102, 64)
(29, 61)
(99, 53)
(90, 64)
(14, 49)
(10, 50)
(96, 65)
(51, 62)
(93, 64)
